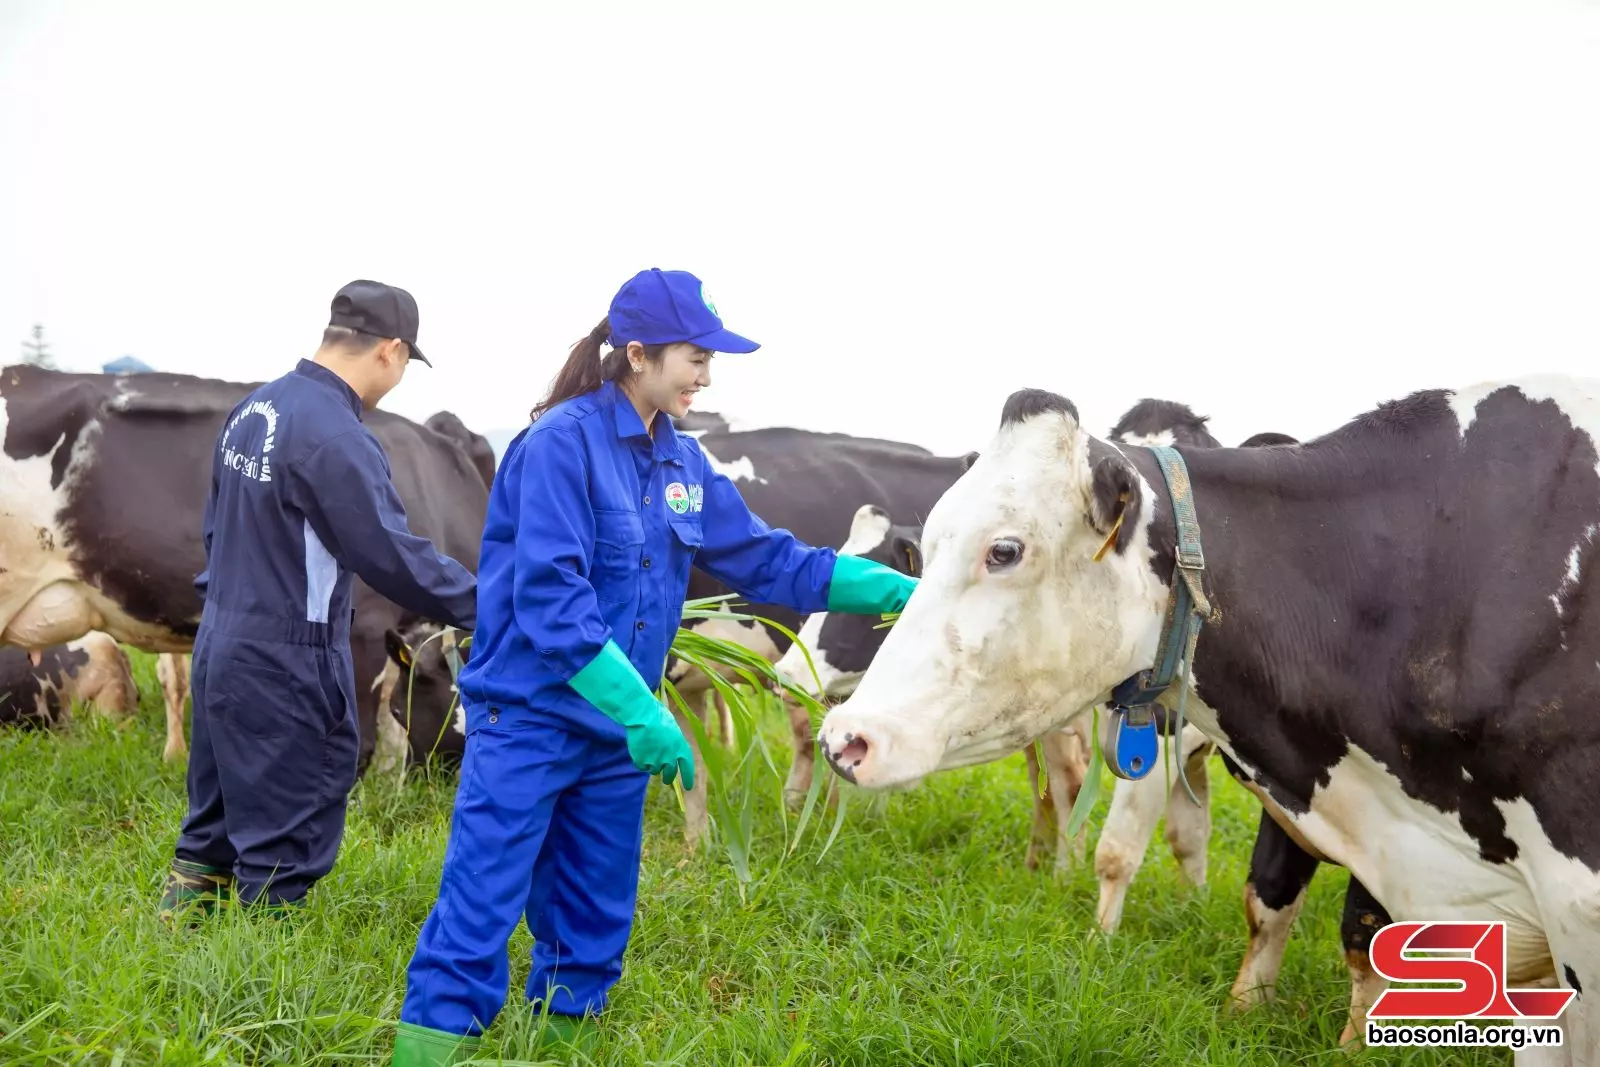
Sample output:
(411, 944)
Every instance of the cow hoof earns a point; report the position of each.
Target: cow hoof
(1241, 1002)
(173, 754)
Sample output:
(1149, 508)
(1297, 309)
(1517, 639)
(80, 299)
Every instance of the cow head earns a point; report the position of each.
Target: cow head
(419, 672)
(1266, 440)
(1163, 422)
(476, 446)
(841, 645)
(1037, 597)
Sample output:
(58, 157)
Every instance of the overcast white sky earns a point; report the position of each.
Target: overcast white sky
(1280, 220)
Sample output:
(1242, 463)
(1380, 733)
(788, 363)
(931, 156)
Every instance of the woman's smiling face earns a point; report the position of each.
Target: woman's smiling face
(670, 383)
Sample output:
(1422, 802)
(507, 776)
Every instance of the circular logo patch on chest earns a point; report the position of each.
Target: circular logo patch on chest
(678, 498)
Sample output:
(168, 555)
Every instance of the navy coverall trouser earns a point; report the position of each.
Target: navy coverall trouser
(549, 825)
(274, 752)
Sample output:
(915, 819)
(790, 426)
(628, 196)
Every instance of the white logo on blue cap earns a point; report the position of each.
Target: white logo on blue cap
(706, 300)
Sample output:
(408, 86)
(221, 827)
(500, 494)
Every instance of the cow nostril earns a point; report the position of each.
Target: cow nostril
(847, 757)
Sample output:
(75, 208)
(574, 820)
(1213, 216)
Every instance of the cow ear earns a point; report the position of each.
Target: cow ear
(1114, 502)
(967, 461)
(908, 552)
(397, 648)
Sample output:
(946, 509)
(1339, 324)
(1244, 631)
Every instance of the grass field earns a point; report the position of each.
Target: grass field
(918, 938)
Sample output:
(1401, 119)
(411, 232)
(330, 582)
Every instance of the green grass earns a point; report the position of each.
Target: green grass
(918, 938)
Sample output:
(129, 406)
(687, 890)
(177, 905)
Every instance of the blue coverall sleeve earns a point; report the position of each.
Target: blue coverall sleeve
(552, 598)
(208, 526)
(762, 564)
(345, 490)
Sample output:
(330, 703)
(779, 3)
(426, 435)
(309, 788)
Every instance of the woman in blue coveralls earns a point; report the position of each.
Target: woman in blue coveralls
(598, 510)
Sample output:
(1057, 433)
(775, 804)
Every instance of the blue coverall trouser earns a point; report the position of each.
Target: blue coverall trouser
(549, 825)
(273, 753)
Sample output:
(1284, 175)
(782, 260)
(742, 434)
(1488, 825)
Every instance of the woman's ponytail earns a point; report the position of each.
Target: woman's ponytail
(584, 370)
(580, 374)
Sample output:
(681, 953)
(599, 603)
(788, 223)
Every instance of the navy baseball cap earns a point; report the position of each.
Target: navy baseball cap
(657, 307)
(378, 309)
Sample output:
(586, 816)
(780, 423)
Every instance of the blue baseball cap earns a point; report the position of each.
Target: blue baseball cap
(658, 307)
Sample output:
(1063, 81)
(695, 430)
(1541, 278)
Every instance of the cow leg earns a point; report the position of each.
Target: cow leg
(696, 820)
(805, 754)
(724, 716)
(172, 670)
(1569, 904)
(1125, 837)
(1066, 762)
(716, 717)
(1363, 917)
(1189, 825)
(1043, 830)
(1280, 871)
(369, 658)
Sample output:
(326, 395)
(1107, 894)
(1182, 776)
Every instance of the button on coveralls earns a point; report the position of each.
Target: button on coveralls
(592, 528)
(300, 498)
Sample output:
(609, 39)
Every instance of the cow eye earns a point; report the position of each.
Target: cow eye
(1004, 553)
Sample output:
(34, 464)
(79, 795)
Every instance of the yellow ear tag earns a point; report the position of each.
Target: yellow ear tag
(405, 656)
(1122, 498)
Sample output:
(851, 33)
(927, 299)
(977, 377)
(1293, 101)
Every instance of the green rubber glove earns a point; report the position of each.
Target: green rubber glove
(862, 587)
(655, 742)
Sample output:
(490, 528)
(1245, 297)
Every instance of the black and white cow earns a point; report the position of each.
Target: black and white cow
(806, 482)
(1400, 659)
(104, 478)
(842, 646)
(91, 670)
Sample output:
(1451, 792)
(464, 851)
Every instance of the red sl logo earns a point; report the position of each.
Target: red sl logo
(1481, 973)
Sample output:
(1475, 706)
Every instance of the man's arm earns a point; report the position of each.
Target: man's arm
(346, 493)
(208, 524)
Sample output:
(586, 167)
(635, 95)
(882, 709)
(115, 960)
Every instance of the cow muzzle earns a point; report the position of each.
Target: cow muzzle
(846, 753)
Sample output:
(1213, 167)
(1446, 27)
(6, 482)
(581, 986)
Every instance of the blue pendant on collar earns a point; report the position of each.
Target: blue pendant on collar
(1131, 740)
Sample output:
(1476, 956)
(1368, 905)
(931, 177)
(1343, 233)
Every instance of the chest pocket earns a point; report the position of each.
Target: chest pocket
(618, 546)
(688, 534)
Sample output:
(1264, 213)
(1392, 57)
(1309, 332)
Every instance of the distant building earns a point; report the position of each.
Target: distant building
(128, 365)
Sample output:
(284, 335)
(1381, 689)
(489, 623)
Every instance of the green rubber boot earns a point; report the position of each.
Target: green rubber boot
(567, 1033)
(418, 1046)
(264, 908)
(195, 888)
